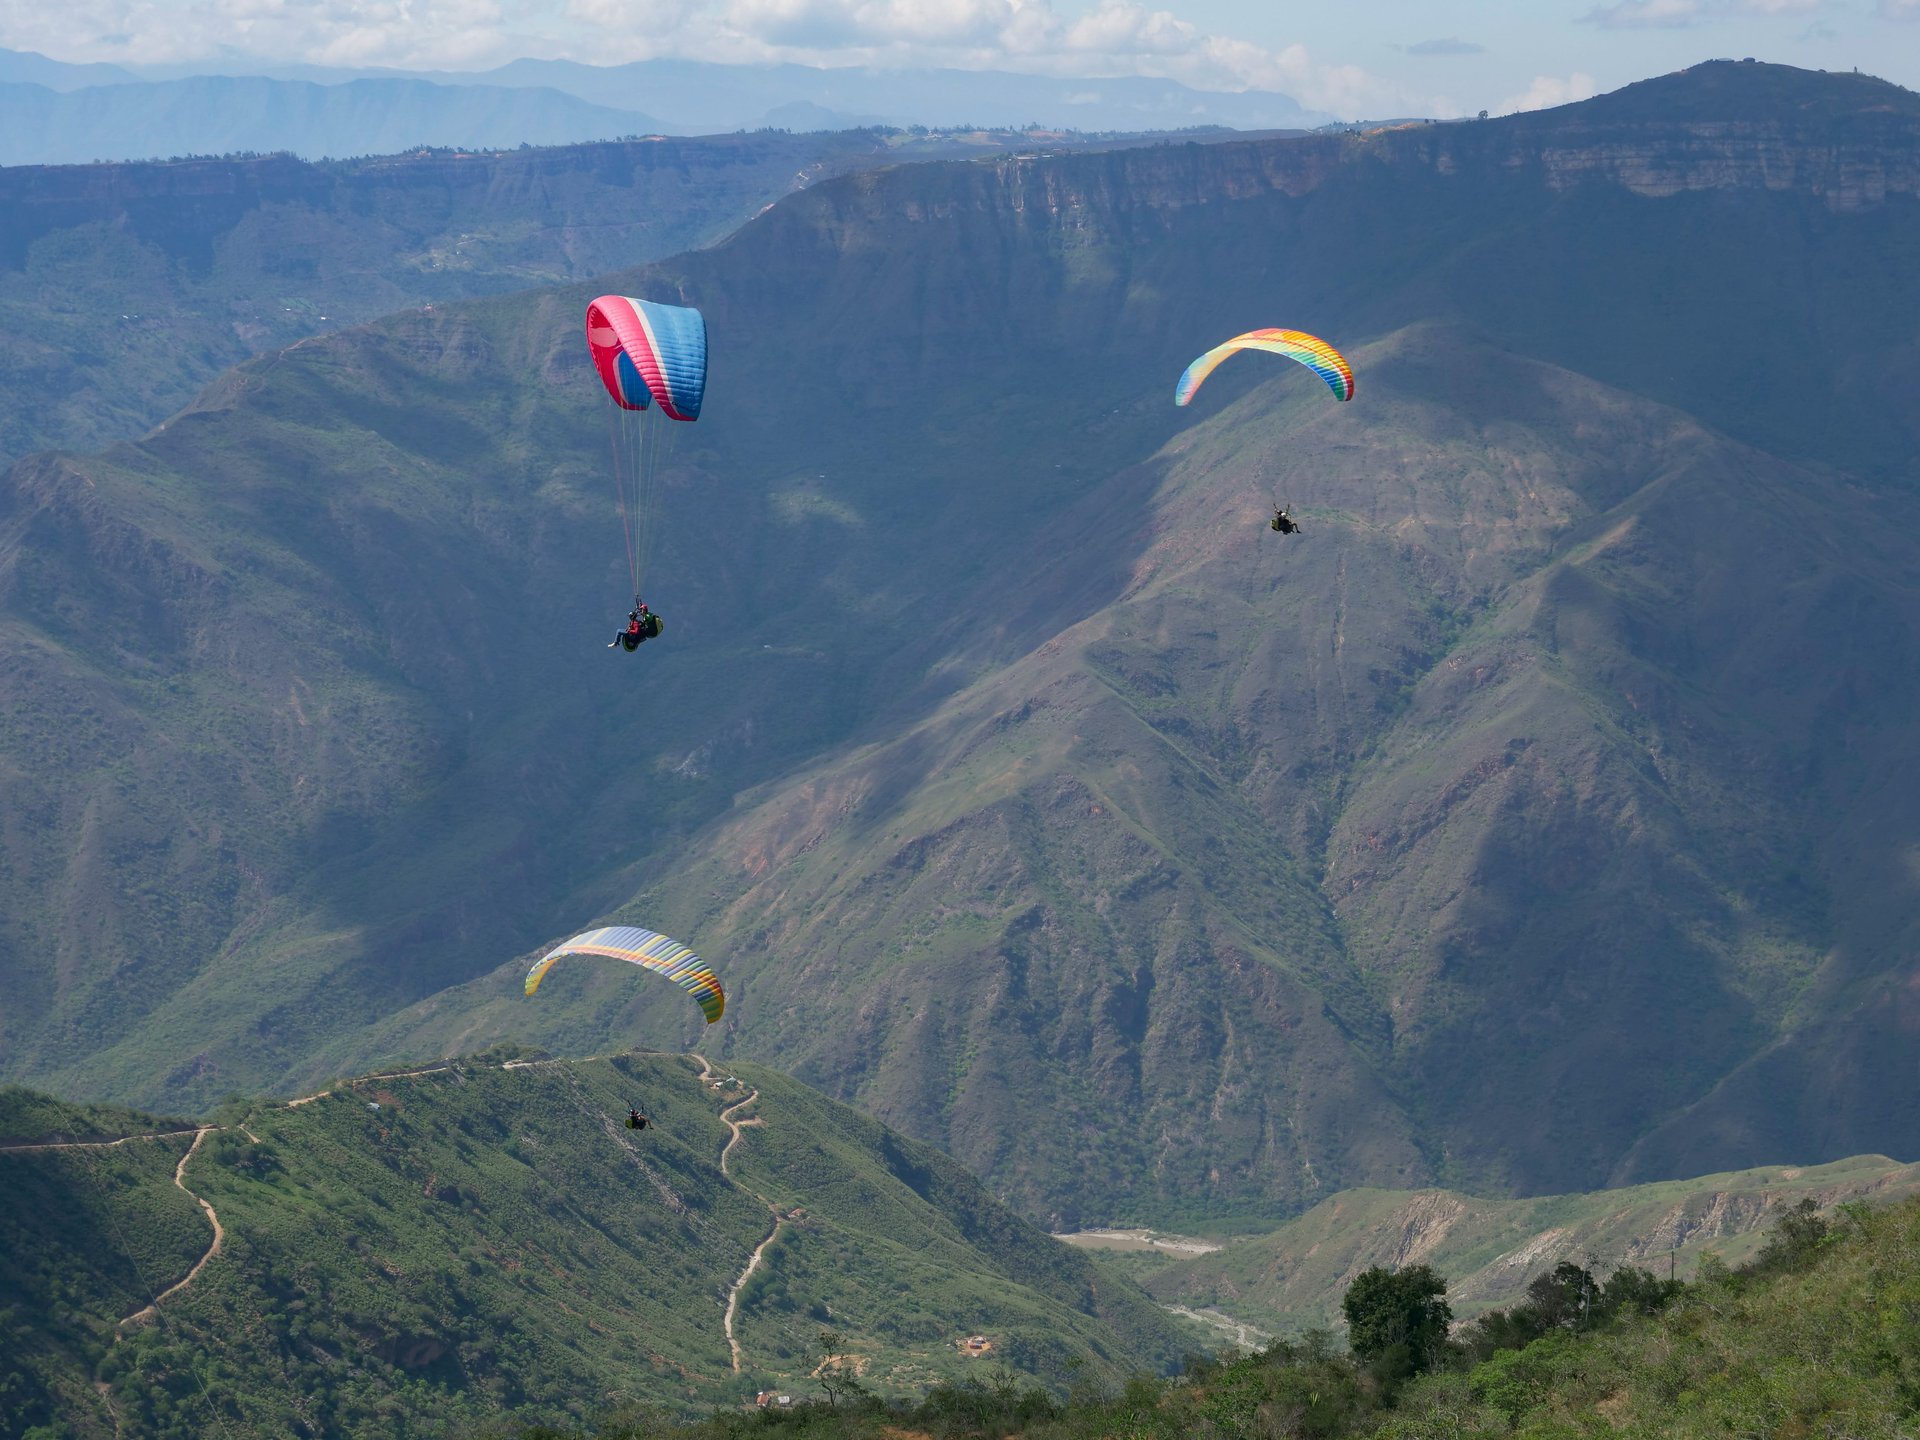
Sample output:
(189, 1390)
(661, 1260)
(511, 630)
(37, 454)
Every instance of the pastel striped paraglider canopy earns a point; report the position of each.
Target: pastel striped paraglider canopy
(1311, 351)
(647, 351)
(648, 950)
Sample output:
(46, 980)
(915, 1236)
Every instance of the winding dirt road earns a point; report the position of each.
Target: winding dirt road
(753, 1261)
(199, 1133)
(101, 1144)
(147, 1312)
(733, 1295)
(736, 1126)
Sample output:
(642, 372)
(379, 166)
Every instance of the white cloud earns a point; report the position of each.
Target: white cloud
(1547, 91)
(838, 24)
(1112, 38)
(1899, 10)
(321, 32)
(1115, 37)
(1676, 14)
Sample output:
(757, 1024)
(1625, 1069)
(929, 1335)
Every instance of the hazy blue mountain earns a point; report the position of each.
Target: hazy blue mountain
(1538, 819)
(212, 115)
(805, 116)
(28, 67)
(700, 96)
(103, 112)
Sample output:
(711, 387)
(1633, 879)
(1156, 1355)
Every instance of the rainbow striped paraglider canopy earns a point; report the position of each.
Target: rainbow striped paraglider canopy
(1311, 351)
(648, 950)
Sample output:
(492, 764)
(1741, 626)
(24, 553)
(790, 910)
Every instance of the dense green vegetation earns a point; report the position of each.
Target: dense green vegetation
(28, 1116)
(1818, 1335)
(486, 1238)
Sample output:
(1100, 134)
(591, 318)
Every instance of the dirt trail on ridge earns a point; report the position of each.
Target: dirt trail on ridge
(147, 1312)
(753, 1261)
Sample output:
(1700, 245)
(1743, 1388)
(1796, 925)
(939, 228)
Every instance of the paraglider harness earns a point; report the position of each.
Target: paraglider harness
(636, 1121)
(642, 624)
(1283, 522)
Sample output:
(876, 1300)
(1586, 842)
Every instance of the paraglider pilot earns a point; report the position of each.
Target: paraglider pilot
(1282, 521)
(642, 624)
(636, 1121)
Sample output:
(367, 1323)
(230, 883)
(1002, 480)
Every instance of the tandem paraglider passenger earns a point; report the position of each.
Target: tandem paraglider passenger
(1283, 522)
(642, 624)
(636, 1121)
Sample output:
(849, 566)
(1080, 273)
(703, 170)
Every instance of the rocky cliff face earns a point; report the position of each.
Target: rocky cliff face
(1851, 141)
(1720, 126)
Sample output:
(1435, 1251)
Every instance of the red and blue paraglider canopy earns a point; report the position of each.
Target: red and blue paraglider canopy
(646, 351)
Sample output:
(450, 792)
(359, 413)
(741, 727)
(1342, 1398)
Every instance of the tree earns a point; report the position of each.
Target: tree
(1563, 1296)
(1633, 1291)
(836, 1373)
(1797, 1234)
(1397, 1320)
(1499, 1330)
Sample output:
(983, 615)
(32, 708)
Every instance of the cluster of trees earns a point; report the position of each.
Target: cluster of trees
(1399, 1323)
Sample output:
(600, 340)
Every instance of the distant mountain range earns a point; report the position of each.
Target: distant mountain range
(52, 113)
(217, 114)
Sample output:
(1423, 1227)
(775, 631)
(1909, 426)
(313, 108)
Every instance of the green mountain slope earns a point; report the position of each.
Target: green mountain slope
(478, 1238)
(1061, 892)
(1291, 1279)
(1026, 790)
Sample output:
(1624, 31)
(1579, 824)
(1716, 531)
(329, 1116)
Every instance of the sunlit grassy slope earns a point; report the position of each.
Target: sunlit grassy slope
(405, 1251)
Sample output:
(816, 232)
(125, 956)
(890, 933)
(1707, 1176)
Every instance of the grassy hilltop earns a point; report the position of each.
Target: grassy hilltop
(486, 1237)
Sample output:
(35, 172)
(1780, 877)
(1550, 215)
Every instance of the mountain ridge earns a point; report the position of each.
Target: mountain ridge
(220, 114)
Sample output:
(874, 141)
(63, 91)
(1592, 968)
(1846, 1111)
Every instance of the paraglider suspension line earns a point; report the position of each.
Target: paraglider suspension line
(642, 444)
(616, 421)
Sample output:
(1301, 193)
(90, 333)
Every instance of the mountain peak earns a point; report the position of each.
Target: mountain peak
(1748, 91)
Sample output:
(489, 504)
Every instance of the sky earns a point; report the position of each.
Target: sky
(1354, 58)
